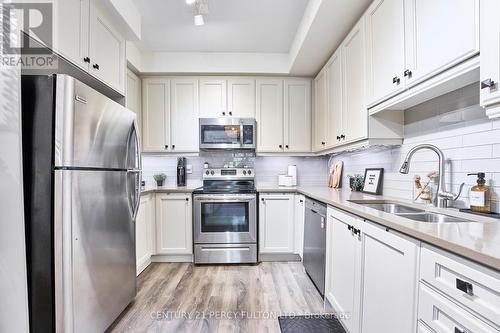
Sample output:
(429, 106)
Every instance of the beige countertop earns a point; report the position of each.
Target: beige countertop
(478, 241)
(169, 189)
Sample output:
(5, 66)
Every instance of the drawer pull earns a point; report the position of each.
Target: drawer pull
(464, 286)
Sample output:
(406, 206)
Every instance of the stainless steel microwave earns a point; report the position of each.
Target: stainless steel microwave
(227, 133)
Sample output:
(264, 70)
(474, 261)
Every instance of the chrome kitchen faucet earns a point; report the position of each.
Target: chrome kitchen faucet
(442, 196)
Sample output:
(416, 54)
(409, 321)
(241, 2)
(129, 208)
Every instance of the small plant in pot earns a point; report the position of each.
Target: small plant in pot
(160, 178)
(356, 182)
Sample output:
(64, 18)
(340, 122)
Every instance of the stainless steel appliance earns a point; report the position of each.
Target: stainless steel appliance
(315, 243)
(227, 133)
(82, 186)
(181, 171)
(225, 221)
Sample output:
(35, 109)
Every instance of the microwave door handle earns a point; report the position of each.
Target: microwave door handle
(241, 135)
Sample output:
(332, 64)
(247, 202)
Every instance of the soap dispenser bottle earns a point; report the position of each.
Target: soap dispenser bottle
(479, 197)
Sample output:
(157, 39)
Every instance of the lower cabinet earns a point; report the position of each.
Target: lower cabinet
(343, 266)
(144, 232)
(370, 294)
(276, 223)
(390, 280)
(174, 225)
(299, 218)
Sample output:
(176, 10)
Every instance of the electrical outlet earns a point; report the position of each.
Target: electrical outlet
(189, 168)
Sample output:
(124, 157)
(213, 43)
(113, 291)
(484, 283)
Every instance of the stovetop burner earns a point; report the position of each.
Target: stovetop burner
(227, 180)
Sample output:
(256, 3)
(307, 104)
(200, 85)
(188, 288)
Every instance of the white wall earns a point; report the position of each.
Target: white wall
(456, 124)
(13, 289)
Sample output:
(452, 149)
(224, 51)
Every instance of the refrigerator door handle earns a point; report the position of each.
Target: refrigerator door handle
(137, 191)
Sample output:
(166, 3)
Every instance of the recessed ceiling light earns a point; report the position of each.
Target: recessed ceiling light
(198, 20)
(190, 2)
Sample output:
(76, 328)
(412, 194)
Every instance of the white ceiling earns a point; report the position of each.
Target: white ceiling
(253, 26)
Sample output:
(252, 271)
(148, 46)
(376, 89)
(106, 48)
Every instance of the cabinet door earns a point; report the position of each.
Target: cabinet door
(155, 115)
(441, 33)
(385, 29)
(241, 98)
(490, 51)
(300, 214)
(343, 277)
(107, 50)
(143, 232)
(354, 112)
(269, 115)
(297, 113)
(391, 283)
(335, 87)
(174, 224)
(320, 111)
(213, 100)
(184, 115)
(133, 97)
(276, 223)
(72, 31)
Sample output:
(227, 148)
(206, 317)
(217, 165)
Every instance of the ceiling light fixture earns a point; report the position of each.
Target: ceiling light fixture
(198, 20)
(190, 2)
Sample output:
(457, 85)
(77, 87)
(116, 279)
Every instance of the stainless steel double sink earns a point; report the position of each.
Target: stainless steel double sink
(409, 212)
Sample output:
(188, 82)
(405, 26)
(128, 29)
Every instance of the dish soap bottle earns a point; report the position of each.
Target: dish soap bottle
(479, 196)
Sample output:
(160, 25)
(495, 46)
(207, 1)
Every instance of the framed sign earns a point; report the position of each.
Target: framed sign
(373, 180)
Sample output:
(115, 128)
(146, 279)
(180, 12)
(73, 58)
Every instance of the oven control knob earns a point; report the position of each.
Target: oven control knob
(249, 172)
(212, 172)
(244, 172)
(207, 172)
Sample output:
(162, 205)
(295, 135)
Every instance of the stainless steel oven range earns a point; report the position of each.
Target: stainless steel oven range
(225, 221)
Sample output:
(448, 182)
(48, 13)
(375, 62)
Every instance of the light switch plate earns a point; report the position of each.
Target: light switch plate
(189, 168)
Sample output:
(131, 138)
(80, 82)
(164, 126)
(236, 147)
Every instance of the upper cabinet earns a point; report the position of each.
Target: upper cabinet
(320, 111)
(283, 114)
(86, 37)
(385, 48)
(490, 56)
(241, 98)
(213, 100)
(155, 115)
(335, 88)
(184, 115)
(413, 40)
(133, 95)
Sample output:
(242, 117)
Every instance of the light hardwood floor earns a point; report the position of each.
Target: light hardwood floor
(181, 297)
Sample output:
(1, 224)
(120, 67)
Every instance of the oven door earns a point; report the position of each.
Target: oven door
(227, 133)
(225, 218)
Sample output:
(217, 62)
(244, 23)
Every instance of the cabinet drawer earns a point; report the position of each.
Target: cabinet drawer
(474, 286)
(444, 316)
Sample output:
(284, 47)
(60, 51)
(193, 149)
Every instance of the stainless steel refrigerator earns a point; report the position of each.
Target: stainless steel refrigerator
(81, 188)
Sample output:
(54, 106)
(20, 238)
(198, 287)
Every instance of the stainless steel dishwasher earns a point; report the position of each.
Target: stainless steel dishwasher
(315, 243)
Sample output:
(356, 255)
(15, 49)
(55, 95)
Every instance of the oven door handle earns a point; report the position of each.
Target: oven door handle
(224, 199)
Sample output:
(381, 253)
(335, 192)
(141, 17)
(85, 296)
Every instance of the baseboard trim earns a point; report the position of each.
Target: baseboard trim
(279, 257)
(172, 258)
(141, 266)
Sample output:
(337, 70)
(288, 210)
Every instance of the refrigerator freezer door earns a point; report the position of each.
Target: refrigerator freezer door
(95, 248)
(91, 130)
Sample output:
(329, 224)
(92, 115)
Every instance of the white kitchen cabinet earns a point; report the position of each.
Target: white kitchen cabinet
(385, 40)
(184, 115)
(490, 54)
(241, 98)
(439, 35)
(390, 280)
(106, 50)
(269, 115)
(299, 217)
(276, 223)
(155, 115)
(71, 31)
(174, 225)
(354, 111)
(133, 98)
(320, 111)
(343, 266)
(144, 232)
(297, 113)
(335, 83)
(213, 97)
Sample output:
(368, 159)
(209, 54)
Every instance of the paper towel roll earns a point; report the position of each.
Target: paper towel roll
(292, 172)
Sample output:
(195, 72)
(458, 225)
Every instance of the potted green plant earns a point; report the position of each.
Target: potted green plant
(356, 182)
(160, 178)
